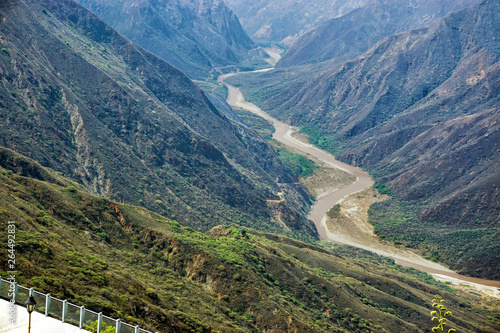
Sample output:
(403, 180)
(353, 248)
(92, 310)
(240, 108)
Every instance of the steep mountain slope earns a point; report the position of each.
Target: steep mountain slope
(79, 98)
(348, 36)
(194, 35)
(420, 110)
(146, 269)
(283, 20)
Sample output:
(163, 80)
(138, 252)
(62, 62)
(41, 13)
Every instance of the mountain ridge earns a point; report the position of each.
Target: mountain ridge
(127, 125)
(352, 34)
(282, 21)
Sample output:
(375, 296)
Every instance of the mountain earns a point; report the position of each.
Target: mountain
(283, 20)
(148, 270)
(350, 35)
(196, 36)
(79, 98)
(419, 110)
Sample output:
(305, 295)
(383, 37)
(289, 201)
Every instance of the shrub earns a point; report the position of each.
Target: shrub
(71, 189)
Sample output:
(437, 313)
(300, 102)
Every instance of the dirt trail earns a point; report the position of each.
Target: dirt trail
(343, 234)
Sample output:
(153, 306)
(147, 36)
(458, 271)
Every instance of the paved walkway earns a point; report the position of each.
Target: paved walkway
(39, 323)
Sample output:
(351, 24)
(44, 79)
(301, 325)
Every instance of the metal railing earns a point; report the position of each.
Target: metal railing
(66, 312)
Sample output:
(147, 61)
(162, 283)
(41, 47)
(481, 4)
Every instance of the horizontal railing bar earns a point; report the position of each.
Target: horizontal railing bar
(56, 299)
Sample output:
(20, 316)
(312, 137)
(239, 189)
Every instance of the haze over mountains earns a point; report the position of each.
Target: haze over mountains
(420, 110)
(194, 36)
(283, 20)
(78, 97)
(350, 35)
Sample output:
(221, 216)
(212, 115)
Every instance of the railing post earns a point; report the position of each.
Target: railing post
(118, 324)
(47, 304)
(64, 310)
(99, 322)
(31, 292)
(82, 316)
(136, 329)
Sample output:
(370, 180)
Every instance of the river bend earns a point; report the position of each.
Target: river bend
(283, 133)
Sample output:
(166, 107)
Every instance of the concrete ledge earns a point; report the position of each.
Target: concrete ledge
(39, 323)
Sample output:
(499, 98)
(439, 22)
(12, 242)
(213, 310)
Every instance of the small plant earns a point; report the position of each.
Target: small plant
(104, 328)
(443, 313)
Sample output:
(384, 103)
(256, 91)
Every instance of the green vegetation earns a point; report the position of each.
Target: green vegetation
(334, 212)
(250, 64)
(300, 165)
(450, 188)
(259, 124)
(104, 328)
(71, 189)
(323, 141)
(213, 86)
(159, 142)
(382, 189)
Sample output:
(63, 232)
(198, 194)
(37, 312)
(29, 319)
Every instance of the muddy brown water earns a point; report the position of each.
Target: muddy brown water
(283, 133)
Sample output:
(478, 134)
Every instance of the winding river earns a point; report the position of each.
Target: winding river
(283, 133)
